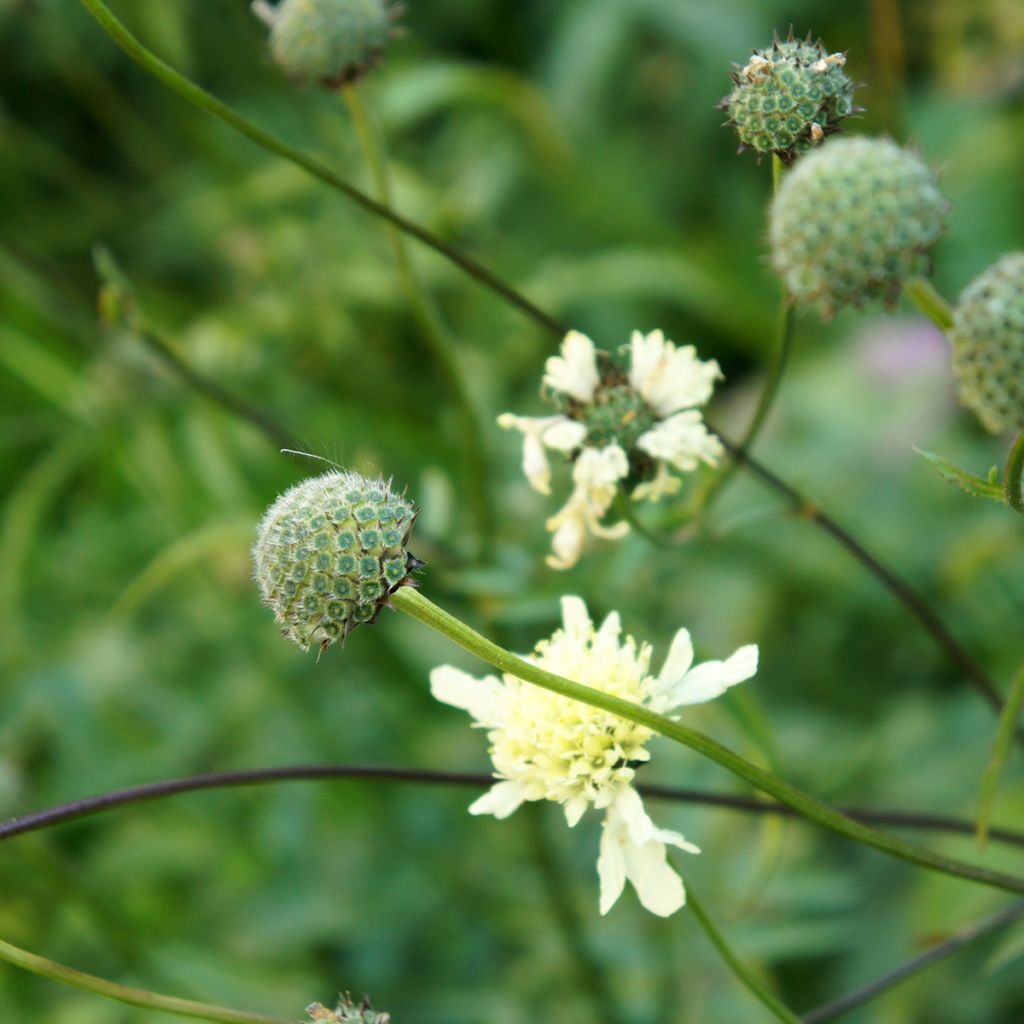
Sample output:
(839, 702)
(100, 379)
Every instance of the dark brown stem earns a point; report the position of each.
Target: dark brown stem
(88, 806)
(896, 585)
(956, 942)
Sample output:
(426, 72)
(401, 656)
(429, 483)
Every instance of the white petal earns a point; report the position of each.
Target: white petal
(574, 810)
(535, 462)
(611, 867)
(576, 618)
(663, 484)
(610, 629)
(679, 660)
(668, 377)
(483, 698)
(567, 542)
(500, 800)
(664, 835)
(574, 372)
(660, 889)
(628, 809)
(713, 678)
(565, 435)
(682, 441)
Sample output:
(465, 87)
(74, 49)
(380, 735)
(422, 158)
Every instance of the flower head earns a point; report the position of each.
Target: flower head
(625, 420)
(548, 747)
(348, 1012)
(330, 552)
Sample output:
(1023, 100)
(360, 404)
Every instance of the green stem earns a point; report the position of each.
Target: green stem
(1000, 752)
(440, 343)
(123, 994)
(627, 511)
(413, 603)
(743, 974)
(204, 100)
(778, 170)
(1013, 484)
(922, 293)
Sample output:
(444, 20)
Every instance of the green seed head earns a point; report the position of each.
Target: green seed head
(348, 1012)
(853, 221)
(788, 97)
(330, 552)
(331, 41)
(988, 345)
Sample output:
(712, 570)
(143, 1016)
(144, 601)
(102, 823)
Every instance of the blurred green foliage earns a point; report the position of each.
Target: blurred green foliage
(576, 147)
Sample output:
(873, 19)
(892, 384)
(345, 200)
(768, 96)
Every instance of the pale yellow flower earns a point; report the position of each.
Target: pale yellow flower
(548, 747)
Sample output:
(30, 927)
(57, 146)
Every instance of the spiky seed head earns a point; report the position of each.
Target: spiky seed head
(348, 1012)
(330, 552)
(854, 220)
(988, 345)
(330, 41)
(789, 97)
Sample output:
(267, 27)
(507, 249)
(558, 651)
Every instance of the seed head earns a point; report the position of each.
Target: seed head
(988, 345)
(788, 97)
(854, 220)
(330, 552)
(348, 1012)
(330, 41)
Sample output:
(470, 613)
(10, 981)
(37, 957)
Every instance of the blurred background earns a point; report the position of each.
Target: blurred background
(576, 148)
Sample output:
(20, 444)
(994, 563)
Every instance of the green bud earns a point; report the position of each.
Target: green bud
(330, 552)
(988, 345)
(348, 1012)
(330, 41)
(788, 97)
(855, 220)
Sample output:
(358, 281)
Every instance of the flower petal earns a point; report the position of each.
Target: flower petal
(565, 435)
(628, 809)
(574, 810)
(576, 619)
(713, 678)
(682, 441)
(660, 889)
(500, 800)
(574, 372)
(611, 867)
(483, 698)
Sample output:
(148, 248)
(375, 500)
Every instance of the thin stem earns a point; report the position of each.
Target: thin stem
(922, 293)
(626, 510)
(439, 341)
(123, 994)
(413, 603)
(204, 100)
(1000, 752)
(957, 941)
(86, 807)
(211, 389)
(778, 170)
(743, 974)
(896, 585)
(1013, 478)
(561, 901)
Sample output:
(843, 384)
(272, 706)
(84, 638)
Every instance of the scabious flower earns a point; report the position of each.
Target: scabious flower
(348, 1012)
(548, 747)
(625, 420)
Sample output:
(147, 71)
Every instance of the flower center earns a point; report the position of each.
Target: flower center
(617, 415)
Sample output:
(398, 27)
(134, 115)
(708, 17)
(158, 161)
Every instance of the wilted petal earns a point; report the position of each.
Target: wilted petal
(682, 441)
(670, 378)
(565, 435)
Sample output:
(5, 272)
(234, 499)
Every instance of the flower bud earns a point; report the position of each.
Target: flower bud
(348, 1012)
(330, 552)
(853, 221)
(788, 97)
(331, 41)
(988, 345)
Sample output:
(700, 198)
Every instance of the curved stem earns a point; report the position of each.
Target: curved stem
(441, 346)
(1013, 478)
(744, 975)
(419, 607)
(123, 994)
(199, 97)
(74, 810)
(957, 941)
(896, 585)
(922, 293)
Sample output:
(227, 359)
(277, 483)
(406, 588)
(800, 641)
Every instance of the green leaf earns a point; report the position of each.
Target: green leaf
(975, 486)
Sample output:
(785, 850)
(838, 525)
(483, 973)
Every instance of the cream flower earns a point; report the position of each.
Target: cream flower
(642, 421)
(548, 747)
